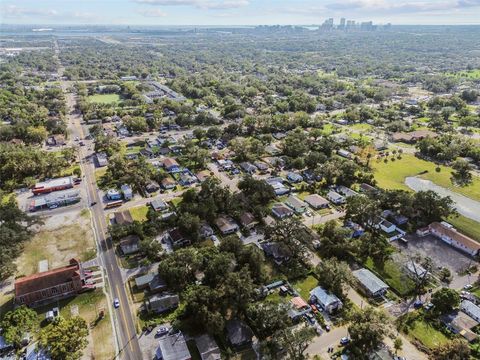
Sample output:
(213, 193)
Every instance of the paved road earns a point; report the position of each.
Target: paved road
(464, 205)
(231, 183)
(125, 329)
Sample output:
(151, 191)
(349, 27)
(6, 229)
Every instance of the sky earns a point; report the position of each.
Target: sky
(237, 12)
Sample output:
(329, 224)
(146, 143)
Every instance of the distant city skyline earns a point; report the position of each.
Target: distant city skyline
(238, 12)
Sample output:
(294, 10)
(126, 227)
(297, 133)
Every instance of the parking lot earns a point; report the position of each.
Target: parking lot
(441, 253)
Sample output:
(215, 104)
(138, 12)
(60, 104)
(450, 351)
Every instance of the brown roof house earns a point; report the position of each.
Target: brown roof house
(247, 220)
(48, 286)
(123, 217)
(412, 136)
(226, 225)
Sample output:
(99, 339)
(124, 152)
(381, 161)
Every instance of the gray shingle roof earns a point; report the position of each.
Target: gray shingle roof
(368, 279)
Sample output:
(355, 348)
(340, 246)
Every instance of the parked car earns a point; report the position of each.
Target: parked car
(344, 341)
(162, 330)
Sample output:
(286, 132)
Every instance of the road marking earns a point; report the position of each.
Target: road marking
(124, 319)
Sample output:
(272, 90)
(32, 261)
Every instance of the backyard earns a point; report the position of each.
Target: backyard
(427, 334)
(393, 275)
(139, 213)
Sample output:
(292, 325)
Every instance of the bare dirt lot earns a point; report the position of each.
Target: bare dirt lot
(61, 237)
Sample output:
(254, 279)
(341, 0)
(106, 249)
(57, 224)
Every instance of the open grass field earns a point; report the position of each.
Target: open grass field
(393, 275)
(427, 334)
(139, 213)
(305, 286)
(391, 175)
(58, 246)
(89, 304)
(104, 98)
(466, 226)
(469, 74)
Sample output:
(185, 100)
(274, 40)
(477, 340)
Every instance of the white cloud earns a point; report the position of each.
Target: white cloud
(402, 6)
(201, 4)
(152, 12)
(12, 11)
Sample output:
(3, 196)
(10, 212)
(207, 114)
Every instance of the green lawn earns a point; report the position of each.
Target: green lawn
(470, 74)
(466, 226)
(427, 334)
(391, 175)
(393, 275)
(104, 98)
(139, 213)
(361, 127)
(89, 305)
(305, 286)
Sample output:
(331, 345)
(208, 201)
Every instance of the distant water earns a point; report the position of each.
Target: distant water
(464, 205)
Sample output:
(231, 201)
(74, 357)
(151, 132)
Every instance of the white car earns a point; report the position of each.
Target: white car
(116, 303)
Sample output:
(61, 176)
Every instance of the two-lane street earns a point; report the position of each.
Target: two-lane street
(125, 329)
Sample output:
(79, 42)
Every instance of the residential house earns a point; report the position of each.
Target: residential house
(56, 140)
(368, 189)
(294, 177)
(261, 166)
(370, 283)
(171, 165)
(102, 159)
(130, 245)
(168, 183)
(187, 179)
(123, 217)
(470, 309)
(158, 205)
(173, 347)
(413, 136)
(345, 191)
(176, 238)
(335, 198)
(247, 220)
(276, 251)
(127, 192)
(152, 187)
(161, 303)
(208, 348)
(278, 188)
(298, 308)
(157, 284)
(203, 175)
(460, 323)
(316, 201)
(249, 168)
(327, 301)
(296, 204)
(141, 282)
(205, 230)
(451, 236)
(281, 211)
(52, 285)
(344, 153)
(239, 334)
(226, 225)
(113, 194)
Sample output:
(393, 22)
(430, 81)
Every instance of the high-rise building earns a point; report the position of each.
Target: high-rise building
(342, 24)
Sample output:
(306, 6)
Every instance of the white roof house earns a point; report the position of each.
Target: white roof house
(470, 309)
(328, 302)
(370, 282)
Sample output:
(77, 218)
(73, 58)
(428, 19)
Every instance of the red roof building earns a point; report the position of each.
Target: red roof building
(50, 285)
